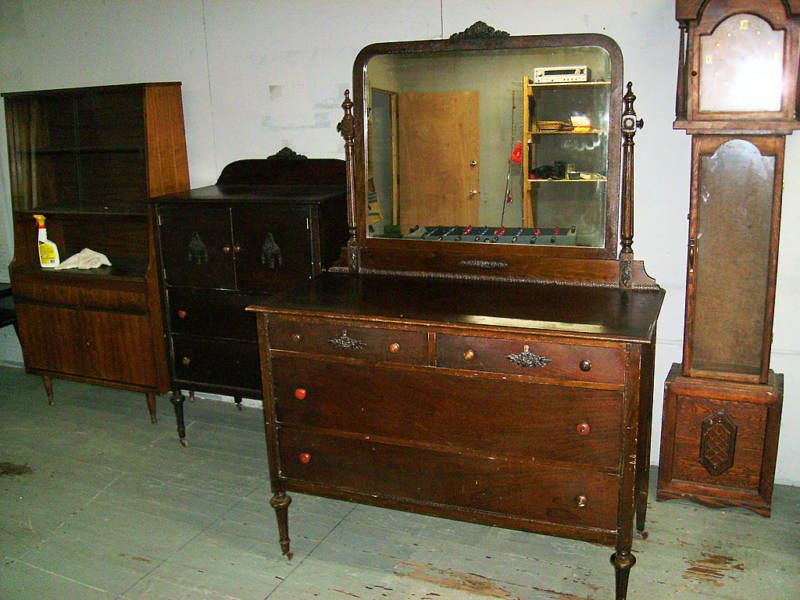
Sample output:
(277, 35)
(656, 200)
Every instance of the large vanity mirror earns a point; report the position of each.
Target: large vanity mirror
(513, 141)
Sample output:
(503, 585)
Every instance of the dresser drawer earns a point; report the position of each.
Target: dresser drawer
(517, 488)
(217, 362)
(523, 356)
(348, 338)
(211, 313)
(488, 416)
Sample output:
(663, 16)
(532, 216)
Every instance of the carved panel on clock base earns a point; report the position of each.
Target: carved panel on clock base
(719, 441)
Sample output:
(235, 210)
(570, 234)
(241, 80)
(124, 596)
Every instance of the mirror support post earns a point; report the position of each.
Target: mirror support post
(347, 129)
(629, 126)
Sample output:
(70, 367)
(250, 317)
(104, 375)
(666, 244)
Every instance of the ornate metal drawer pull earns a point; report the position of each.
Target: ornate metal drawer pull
(528, 359)
(346, 342)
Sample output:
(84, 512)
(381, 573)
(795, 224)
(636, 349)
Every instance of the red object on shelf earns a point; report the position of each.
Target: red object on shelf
(300, 393)
(305, 458)
(516, 154)
(501, 231)
(467, 230)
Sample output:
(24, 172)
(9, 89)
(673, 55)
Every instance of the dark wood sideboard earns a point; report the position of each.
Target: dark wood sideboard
(267, 225)
(498, 371)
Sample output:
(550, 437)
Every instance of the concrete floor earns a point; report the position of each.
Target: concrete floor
(114, 507)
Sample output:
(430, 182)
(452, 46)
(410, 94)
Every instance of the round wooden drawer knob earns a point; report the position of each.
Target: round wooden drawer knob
(186, 361)
(469, 355)
(300, 393)
(581, 501)
(586, 365)
(297, 338)
(583, 429)
(394, 347)
(181, 314)
(305, 458)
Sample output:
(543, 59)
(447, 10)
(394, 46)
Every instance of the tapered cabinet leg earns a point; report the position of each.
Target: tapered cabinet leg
(622, 561)
(48, 387)
(151, 407)
(238, 401)
(177, 400)
(280, 502)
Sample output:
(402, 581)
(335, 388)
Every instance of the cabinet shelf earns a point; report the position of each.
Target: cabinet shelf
(571, 84)
(567, 132)
(592, 180)
(121, 269)
(85, 150)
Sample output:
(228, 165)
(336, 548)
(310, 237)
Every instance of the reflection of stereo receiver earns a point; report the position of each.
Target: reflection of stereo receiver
(569, 74)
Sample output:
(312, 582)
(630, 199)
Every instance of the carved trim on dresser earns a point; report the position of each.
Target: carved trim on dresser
(528, 359)
(480, 31)
(347, 342)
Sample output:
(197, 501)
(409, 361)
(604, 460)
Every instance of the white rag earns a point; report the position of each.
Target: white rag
(85, 259)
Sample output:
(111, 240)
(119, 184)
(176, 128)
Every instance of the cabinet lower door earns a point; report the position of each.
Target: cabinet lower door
(111, 346)
(51, 338)
(273, 246)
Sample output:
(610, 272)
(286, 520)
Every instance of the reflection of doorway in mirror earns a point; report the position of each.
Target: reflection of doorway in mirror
(382, 165)
(438, 151)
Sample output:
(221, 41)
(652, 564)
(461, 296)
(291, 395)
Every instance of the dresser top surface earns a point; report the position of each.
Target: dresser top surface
(604, 313)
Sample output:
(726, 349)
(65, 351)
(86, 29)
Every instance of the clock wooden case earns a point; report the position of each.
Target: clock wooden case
(737, 96)
(473, 357)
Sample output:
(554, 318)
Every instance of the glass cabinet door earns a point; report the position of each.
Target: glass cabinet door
(730, 256)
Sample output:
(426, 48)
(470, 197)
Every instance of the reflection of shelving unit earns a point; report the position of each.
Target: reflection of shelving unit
(87, 158)
(587, 149)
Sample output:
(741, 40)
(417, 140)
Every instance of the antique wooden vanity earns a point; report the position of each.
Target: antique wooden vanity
(482, 352)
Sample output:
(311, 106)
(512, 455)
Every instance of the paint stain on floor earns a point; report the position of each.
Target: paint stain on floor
(7, 468)
(712, 569)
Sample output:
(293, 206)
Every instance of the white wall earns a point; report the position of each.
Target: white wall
(261, 74)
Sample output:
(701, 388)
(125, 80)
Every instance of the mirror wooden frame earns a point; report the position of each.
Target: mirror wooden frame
(602, 266)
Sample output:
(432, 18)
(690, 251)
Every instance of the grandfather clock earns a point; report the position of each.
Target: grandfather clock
(738, 98)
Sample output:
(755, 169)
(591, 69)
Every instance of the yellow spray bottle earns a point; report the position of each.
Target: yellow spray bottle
(48, 251)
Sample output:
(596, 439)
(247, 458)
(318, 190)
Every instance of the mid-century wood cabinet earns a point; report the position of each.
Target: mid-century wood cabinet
(463, 369)
(737, 97)
(87, 159)
(266, 226)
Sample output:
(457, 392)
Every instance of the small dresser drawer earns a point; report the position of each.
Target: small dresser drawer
(522, 356)
(348, 338)
(211, 313)
(488, 416)
(217, 362)
(518, 488)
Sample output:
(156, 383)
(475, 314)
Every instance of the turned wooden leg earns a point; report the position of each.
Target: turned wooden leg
(151, 407)
(191, 395)
(177, 400)
(622, 561)
(280, 502)
(48, 387)
(238, 401)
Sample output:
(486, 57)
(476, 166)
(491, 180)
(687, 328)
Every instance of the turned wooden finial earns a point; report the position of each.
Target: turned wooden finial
(630, 124)
(347, 129)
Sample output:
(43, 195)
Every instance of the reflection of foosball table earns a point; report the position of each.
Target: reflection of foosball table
(555, 236)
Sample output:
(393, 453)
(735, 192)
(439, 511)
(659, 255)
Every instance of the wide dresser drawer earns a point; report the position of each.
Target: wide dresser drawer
(485, 415)
(348, 339)
(518, 488)
(521, 356)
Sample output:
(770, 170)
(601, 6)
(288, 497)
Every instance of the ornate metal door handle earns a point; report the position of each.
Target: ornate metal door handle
(528, 359)
(346, 342)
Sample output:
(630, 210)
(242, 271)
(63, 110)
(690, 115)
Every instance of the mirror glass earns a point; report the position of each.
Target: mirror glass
(500, 146)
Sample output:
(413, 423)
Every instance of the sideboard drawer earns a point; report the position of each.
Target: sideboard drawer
(348, 338)
(559, 495)
(217, 362)
(211, 313)
(532, 357)
(553, 422)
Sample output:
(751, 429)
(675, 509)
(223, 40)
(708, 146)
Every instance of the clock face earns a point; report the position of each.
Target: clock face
(741, 66)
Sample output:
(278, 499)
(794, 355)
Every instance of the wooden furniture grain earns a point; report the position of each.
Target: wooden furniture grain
(488, 381)
(87, 158)
(267, 225)
(737, 97)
